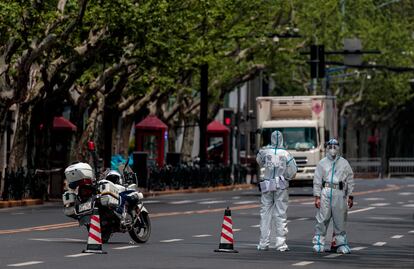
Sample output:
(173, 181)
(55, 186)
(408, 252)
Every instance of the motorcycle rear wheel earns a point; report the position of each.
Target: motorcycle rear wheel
(141, 232)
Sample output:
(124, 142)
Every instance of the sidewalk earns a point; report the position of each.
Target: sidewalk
(28, 202)
(24, 202)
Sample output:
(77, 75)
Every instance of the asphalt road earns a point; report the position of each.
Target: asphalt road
(186, 230)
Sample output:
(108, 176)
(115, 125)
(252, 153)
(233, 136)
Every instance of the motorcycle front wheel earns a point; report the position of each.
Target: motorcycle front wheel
(141, 231)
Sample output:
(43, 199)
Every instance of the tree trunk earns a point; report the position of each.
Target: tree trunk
(124, 145)
(383, 145)
(18, 153)
(188, 139)
(351, 138)
(93, 131)
(172, 138)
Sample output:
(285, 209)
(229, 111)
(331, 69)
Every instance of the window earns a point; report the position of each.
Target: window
(294, 138)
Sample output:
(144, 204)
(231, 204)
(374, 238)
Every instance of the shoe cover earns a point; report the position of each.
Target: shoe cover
(344, 249)
(318, 249)
(260, 248)
(283, 248)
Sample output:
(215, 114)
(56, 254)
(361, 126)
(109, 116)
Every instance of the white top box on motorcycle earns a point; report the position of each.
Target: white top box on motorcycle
(78, 171)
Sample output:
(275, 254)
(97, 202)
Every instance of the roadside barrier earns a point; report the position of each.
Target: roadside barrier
(366, 167)
(400, 167)
(192, 175)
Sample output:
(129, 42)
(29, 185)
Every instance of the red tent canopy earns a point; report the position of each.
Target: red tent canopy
(60, 123)
(151, 126)
(151, 123)
(217, 127)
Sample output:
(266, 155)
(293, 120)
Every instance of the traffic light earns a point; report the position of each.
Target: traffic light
(314, 61)
(228, 118)
(321, 63)
(317, 61)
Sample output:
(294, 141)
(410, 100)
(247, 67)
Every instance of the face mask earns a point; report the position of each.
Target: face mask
(333, 152)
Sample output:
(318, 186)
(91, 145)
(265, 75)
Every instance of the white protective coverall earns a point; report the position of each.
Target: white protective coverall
(279, 166)
(333, 201)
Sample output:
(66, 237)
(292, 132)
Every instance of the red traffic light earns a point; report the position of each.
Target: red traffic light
(91, 145)
(228, 117)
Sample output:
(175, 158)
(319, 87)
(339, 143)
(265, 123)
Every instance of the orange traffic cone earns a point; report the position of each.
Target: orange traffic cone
(94, 244)
(226, 240)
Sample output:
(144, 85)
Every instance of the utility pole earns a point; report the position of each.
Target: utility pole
(237, 170)
(203, 113)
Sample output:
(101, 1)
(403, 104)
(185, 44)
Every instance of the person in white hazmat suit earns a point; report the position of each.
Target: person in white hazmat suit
(333, 185)
(279, 167)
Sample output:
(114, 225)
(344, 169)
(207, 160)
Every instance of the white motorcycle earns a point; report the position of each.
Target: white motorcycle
(117, 197)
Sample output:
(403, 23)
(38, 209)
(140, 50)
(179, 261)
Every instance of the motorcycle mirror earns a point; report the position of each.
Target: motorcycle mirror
(91, 146)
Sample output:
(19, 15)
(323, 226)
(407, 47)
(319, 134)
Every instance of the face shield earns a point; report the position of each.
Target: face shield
(332, 147)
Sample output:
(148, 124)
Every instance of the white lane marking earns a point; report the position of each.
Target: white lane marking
(408, 205)
(202, 235)
(304, 263)
(386, 218)
(78, 255)
(236, 197)
(250, 245)
(410, 185)
(245, 202)
(288, 221)
(24, 263)
(126, 247)
(397, 236)
(152, 201)
(255, 226)
(212, 202)
(400, 203)
(380, 204)
(308, 203)
(302, 219)
(171, 240)
(406, 193)
(358, 248)
(361, 210)
(17, 213)
(236, 230)
(374, 199)
(411, 232)
(379, 244)
(334, 255)
(181, 202)
(57, 239)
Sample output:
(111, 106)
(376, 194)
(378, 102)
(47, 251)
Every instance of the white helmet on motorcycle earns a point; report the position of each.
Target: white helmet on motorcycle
(114, 177)
(77, 172)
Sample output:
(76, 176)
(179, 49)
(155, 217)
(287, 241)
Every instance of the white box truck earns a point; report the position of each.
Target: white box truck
(307, 122)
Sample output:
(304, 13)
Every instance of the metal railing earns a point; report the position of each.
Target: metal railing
(366, 167)
(400, 167)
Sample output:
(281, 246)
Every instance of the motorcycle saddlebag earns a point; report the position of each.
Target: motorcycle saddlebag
(109, 193)
(68, 200)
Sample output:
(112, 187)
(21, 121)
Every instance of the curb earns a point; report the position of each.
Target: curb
(25, 202)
